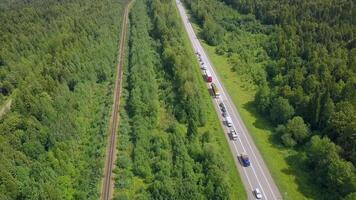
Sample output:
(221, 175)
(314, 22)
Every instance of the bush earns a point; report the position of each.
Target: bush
(281, 111)
(288, 140)
(213, 33)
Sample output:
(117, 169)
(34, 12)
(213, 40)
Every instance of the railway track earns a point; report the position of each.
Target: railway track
(108, 183)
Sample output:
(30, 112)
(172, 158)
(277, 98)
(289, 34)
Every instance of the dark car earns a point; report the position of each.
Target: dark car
(222, 107)
(245, 160)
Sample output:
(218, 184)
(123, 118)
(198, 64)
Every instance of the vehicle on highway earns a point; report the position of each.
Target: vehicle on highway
(223, 108)
(224, 114)
(258, 193)
(203, 67)
(245, 160)
(228, 121)
(208, 76)
(215, 90)
(233, 135)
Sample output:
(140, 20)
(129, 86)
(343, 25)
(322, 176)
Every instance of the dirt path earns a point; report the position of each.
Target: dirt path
(5, 107)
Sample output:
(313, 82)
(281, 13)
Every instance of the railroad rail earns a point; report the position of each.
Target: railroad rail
(108, 183)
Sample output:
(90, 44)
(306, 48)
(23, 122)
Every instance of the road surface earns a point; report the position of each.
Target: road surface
(256, 175)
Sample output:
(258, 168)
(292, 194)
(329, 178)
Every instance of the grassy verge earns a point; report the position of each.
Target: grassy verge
(288, 178)
(213, 125)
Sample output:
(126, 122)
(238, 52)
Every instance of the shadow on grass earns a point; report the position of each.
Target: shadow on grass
(298, 167)
(296, 160)
(263, 124)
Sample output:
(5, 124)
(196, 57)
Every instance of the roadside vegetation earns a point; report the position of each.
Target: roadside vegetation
(170, 145)
(290, 69)
(57, 60)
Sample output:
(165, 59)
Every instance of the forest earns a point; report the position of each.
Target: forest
(301, 58)
(57, 60)
(165, 149)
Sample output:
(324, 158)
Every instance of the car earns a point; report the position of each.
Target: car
(224, 114)
(233, 135)
(228, 121)
(258, 193)
(223, 109)
(245, 160)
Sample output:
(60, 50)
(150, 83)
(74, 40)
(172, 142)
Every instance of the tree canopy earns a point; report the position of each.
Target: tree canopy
(57, 60)
(163, 152)
(299, 56)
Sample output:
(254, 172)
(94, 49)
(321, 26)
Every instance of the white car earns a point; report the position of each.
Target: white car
(233, 135)
(258, 193)
(228, 121)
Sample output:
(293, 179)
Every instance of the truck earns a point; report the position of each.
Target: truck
(215, 90)
(228, 121)
(208, 76)
(245, 160)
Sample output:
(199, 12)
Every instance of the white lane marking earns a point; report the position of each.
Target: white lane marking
(258, 163)
(237, 156)
(197, 46)
(243, 129)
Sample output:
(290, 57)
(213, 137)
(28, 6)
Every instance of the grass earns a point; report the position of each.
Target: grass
(5, 107)
(213, 125)
(284, 164)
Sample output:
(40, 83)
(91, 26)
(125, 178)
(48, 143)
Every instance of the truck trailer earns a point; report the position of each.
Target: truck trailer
(215, 90)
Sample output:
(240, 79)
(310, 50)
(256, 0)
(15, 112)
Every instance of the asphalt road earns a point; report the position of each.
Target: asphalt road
(256, 175)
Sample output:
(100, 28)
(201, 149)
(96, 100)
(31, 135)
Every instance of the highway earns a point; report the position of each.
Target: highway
(256, 175)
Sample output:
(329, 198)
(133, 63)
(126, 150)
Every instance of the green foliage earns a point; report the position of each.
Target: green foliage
(263, 99)
(300, 57)
(288, 140)
(342, 124)
(350, 196)
(192, 131)
(57, 62)
(161, 147)
(281, 111)
(295, 131)
(329, 169)
(212, 32)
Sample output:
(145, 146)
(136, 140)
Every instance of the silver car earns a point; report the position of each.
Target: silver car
(258, 193)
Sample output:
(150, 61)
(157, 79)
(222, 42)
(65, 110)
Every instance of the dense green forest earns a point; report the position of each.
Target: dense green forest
(165, 150)
(57, 60)
(301, 57)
